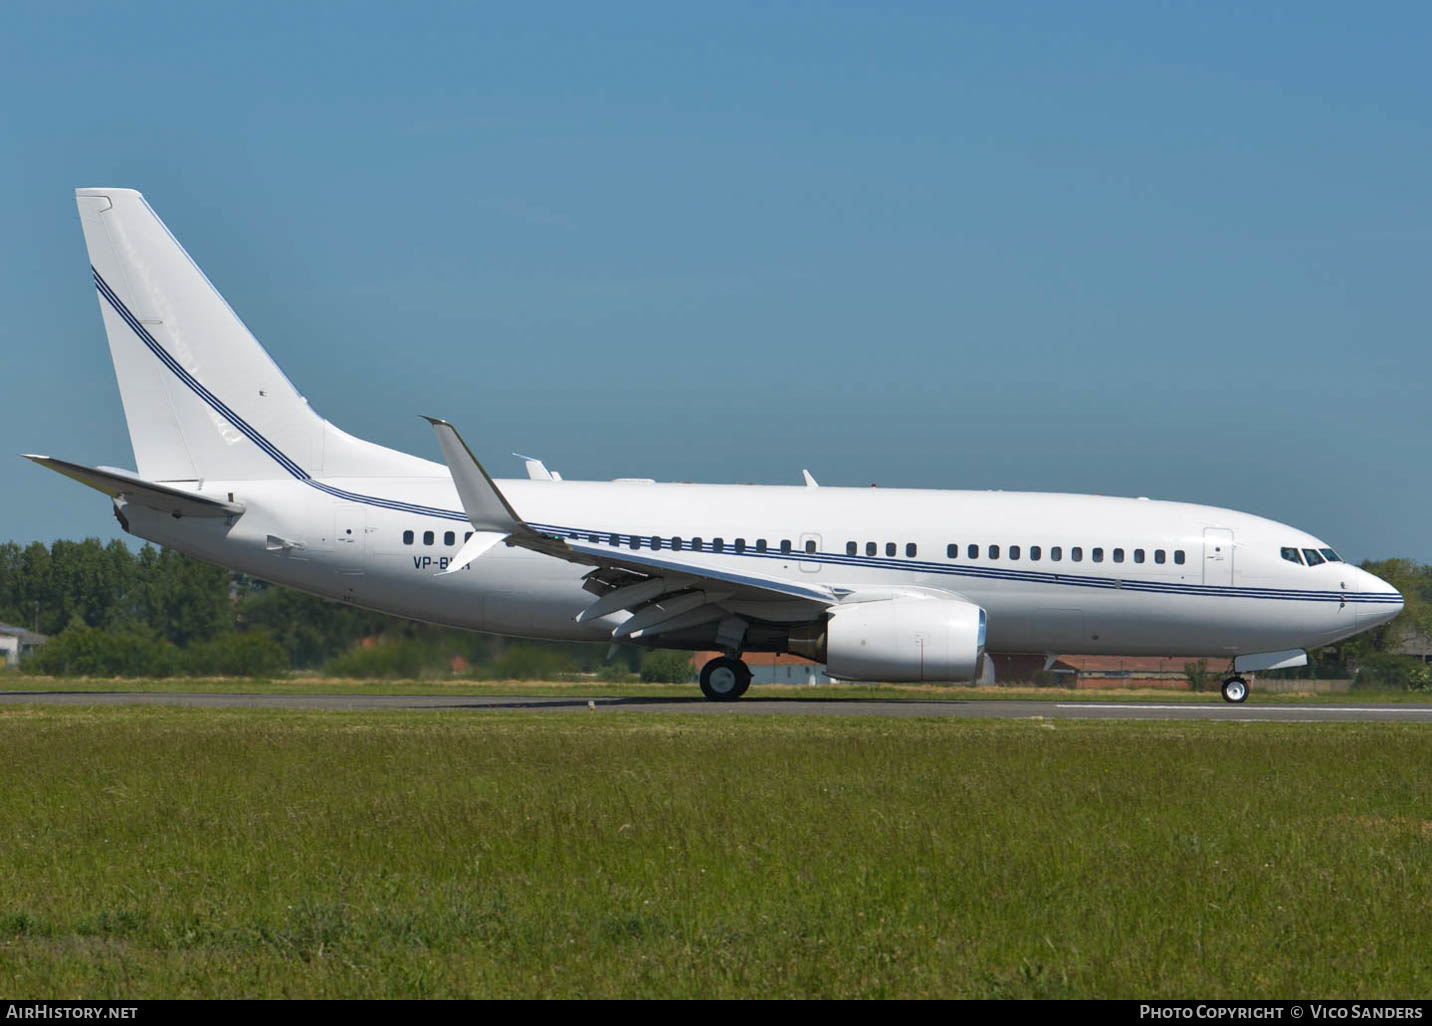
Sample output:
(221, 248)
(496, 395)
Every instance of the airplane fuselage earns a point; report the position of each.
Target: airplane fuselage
(1054, 572)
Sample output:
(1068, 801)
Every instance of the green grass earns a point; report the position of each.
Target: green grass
(168, 852)
(302, 685)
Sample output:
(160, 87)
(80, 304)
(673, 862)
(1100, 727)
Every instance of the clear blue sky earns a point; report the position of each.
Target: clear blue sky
(1176, 250)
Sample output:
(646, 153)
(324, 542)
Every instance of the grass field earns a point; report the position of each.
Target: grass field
(307, 685)
(156, 852)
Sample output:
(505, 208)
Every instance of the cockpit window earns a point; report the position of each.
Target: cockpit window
(1331, 556)
(1313, 557)
(1291, 555)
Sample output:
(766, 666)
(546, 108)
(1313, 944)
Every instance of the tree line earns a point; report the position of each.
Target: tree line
(111, 611)
(1376, 656)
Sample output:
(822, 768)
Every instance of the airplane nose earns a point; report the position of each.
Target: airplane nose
(1386, 604)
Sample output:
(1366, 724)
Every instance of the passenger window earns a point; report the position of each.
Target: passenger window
(613, 539)
(449, 538)
(656, 543)
(594, 538)
(1138, 555)
(760, 545)
(427, 537)
(696, 545)
(1014, 552)
(467, 536)
(1178, 556)
(675, 544)
(910, 550)
(740, 544)
(850, 548)
(889, 548)
(718, 545)
(1291, 555)
(1056, 553)
(952, 551)
(973, 552)
(634, 541)
(1098, 555)
(810, 547)
(785, 546)
(1076, 554)
(1034, 552)
(870, 548)
(1159, 556)
(994, 552)
(1118, 555)
(1313, 557)
(407, 537)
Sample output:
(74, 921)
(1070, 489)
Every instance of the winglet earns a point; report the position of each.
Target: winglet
(810, 481)
(492, 516)
(486, 507)
(536, 469)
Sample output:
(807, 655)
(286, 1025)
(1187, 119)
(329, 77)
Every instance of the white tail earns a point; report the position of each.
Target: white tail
(202, 398)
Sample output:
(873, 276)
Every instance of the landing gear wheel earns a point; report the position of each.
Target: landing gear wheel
(724, 679)
(1235, 690)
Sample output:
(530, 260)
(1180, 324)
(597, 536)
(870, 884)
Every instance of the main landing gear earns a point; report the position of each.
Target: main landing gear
(1235, 689)
(725, 679)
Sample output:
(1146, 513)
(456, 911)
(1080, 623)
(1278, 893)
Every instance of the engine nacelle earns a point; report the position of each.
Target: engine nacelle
(906, 640)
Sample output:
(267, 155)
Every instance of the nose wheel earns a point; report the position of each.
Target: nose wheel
(1235, 689)
(724, 679)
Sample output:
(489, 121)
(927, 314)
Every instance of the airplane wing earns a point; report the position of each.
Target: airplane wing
(663, 591)
(130, 487)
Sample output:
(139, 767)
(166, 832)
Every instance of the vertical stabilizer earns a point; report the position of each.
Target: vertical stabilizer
(202, 398)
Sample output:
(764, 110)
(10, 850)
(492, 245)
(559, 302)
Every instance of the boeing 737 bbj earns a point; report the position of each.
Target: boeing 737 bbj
(881, 584)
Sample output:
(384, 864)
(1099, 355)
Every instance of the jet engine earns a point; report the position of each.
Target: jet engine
(900, 640)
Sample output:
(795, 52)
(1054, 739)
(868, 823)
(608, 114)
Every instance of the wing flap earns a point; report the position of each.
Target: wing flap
(645, 579)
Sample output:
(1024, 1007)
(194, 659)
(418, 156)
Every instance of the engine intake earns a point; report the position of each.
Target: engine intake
(903, 640)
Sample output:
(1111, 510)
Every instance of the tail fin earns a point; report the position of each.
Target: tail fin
(202, 398)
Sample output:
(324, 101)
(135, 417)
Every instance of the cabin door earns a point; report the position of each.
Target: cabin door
(349, 541)
(1217, 556)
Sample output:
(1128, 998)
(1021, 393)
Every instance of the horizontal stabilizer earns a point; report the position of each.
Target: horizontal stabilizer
(122, 484)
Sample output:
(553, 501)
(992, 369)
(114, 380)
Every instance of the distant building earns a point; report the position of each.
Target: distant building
(16, 643)
(1083, 671)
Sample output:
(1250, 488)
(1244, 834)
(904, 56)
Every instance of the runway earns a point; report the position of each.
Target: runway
(957, 708)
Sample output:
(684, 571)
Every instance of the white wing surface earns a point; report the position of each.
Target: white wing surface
(663, 591)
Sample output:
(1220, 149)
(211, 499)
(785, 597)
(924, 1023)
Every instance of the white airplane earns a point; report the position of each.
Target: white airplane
(233, 467)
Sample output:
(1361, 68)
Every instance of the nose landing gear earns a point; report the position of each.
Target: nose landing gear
(1235, 689)
(725, 679)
